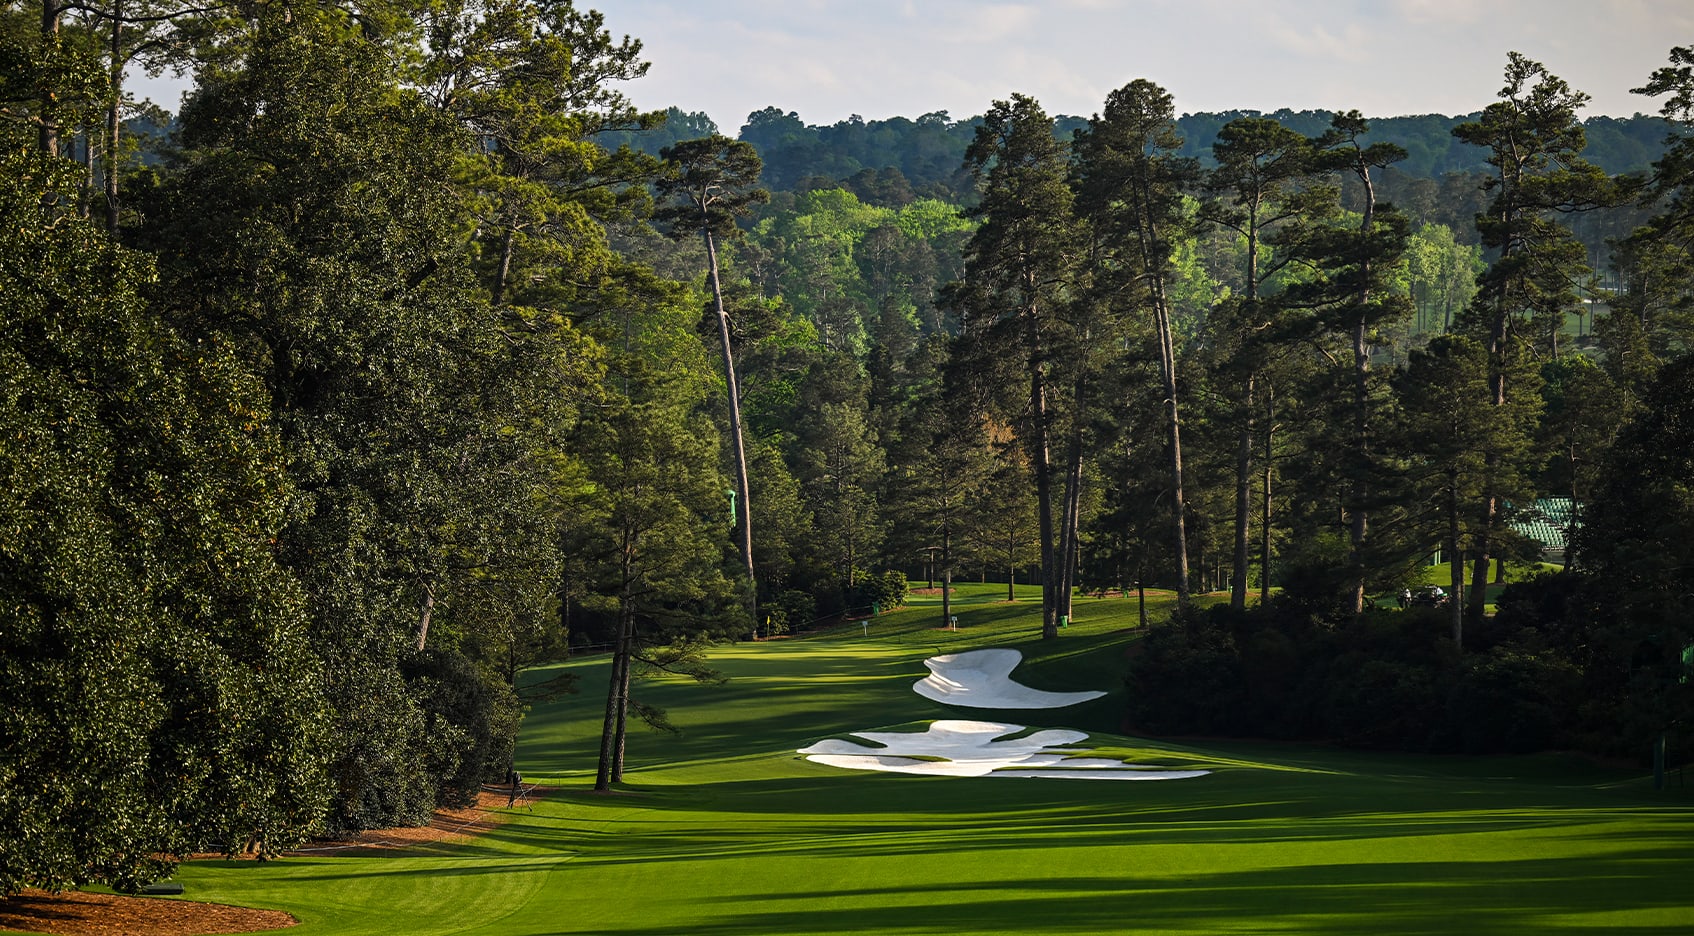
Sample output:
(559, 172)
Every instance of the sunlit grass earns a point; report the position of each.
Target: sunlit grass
(725, 829)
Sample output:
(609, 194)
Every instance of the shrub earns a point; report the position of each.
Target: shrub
(1185, 678)
(1511, 700)
(885, 591)
(470, 723)
(790, 610)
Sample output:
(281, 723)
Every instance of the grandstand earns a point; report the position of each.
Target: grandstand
(1549, 523)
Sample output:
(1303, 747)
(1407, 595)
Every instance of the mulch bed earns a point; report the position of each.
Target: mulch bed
(79, 914)
(75, 914)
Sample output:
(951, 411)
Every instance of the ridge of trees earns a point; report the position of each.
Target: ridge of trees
(927, 152)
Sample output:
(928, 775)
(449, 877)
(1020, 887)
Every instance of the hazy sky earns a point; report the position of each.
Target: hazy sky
(827, 59)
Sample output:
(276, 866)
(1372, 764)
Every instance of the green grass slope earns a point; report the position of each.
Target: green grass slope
(724, 829)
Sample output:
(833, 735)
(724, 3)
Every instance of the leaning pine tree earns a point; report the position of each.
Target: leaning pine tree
(707, 184)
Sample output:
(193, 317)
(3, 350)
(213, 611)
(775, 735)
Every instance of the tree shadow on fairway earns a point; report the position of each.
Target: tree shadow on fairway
(902, 818)
(1632, 892)
(378, 867)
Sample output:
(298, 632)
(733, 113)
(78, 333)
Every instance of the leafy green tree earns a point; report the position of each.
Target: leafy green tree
(839, 464)
(1261, 185)
(1652, 318)
(648, 521)
(1635, 549)
(937, 481)
(1445, 470)
(1534, 142)
(533, 83)
(161, 695)
(1130, 184)
(1583, 409)
(1356, 298)
(52, 81)
(333, 260)
(816, 241)
(1019, 265)
(1443, 275)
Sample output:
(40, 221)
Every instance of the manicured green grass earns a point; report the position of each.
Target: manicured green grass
(724, 829)
(1442, 574)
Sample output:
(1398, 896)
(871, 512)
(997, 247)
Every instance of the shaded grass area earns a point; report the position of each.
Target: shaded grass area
(725, 829)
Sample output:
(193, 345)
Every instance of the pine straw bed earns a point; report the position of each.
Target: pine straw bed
(75, 913)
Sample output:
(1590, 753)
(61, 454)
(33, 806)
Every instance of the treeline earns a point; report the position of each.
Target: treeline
(1292, 364)
(926, 153)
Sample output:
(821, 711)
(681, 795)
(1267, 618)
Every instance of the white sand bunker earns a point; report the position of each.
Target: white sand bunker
(981, 749)
(983, 679)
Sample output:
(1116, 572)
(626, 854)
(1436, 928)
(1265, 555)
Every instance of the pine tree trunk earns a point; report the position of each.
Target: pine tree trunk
(1173, 416)
(621, 731)
(113, 124)
(946, 576)
(610, 768)
(1073, 504)
(1041, 462)
(1265, 516)
(608, 727)
(426, 610)
(1011, 568)
(1456, 580)
(1361, 407)
(503, 271)
(47, 137)
(744, 517)
(1243, 498)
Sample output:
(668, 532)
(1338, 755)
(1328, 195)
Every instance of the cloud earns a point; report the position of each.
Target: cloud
(1438, 12)
(1316, 42)
(1001, 21)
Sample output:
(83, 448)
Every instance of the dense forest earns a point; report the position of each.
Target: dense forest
(410, 354)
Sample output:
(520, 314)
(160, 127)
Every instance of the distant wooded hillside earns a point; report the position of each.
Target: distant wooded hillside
(928, 152)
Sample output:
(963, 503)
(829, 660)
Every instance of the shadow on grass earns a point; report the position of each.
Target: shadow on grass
(1623, 893)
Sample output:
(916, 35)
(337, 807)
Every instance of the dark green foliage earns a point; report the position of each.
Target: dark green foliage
(789, 611)
(1636, 550)
(332, 258)
(709, 183)
(1656, 311)
(885, 591)
(1021, 264)
(1512, 700)
(160, 698)
(470, 720)
(678, 125)
(1185, 678)
(1388, 679)
(927, 150)
(1314, 573)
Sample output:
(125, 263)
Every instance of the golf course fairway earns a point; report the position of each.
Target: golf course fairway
(726, 829)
